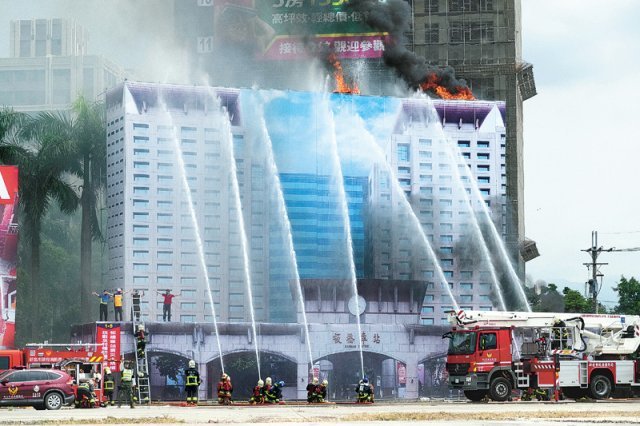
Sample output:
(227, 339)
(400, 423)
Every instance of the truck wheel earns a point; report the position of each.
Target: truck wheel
(500, 389)
(475, 395)
(53, 401)
(600, 387)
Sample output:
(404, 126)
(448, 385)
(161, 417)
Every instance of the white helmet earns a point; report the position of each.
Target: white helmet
(260, 383)
(268, 380)
(315, 381)
(107, 370)
(325, 382)
(192, 364)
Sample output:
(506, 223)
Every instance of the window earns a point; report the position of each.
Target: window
(141, 203)
(464, 144)
(140, 229)
(140, 190)
(188, 306)
(483, 156)
(403, 152)
(466, 275)
(431, 31)
(431, 6)
(140, 216)
(483, 168)
(466, 298)
(187, 318)
(140, 241)
(140, 254)
(484, 179)
(164, 255)
(164, 267)
(483, 144)
(141, 280)
(141, 165)
(488, 341)
(466, 286)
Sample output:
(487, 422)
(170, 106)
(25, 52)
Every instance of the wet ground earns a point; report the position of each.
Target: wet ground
(618, 412)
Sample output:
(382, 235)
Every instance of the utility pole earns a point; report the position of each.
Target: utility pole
(594, 251)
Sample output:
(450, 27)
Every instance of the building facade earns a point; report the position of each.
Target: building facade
(435, 154)
(49, 67)
(481, 40)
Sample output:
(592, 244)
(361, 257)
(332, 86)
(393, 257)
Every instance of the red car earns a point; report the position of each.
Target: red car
(40, 388)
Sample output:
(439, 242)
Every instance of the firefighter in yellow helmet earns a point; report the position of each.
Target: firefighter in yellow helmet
(191, 383)
(109, 383)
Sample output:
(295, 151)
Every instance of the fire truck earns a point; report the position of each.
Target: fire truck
(82, 361)
(491, 353)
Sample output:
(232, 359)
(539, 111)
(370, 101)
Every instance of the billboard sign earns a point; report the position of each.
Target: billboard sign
(297, 29)
(108, 337)
(8, 254)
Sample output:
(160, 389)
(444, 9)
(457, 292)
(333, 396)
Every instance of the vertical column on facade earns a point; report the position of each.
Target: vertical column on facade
(412, 386)
(202, 390)
(302, 379)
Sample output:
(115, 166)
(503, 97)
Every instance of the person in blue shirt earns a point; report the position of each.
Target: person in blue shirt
(104, 303)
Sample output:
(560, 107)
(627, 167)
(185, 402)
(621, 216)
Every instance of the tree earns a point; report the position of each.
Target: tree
(628, 296)
(42, 150)
(550, 300)
(88, 135)
(575, 302)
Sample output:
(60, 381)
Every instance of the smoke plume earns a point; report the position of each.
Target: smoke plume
(394, 17)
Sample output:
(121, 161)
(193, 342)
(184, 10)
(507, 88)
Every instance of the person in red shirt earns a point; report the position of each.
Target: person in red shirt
(166, 305)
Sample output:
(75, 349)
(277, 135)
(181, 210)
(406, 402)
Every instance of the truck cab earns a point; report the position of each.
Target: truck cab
(479, 361)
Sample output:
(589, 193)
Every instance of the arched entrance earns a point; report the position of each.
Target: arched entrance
(242, 368)
(166, 374)
(433, 377)
(342, 370)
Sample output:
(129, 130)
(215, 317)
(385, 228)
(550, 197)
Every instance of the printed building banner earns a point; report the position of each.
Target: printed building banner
(108, 337)
(297, 29)
(8, 254)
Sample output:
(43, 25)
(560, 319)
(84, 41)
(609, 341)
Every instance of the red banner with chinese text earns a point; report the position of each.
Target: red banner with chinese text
(108, 337)
(8, 254)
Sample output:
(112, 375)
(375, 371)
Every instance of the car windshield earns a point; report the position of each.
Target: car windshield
(462, 343)
(5, 373)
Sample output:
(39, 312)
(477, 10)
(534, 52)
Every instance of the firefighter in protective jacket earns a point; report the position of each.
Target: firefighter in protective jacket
(109, 383)
(191, 383)
(225, 388)
(257, 397)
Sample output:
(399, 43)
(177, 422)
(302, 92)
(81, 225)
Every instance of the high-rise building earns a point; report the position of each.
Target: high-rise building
(49, 67)
(435, 153)
(481, 40)
(34, 38)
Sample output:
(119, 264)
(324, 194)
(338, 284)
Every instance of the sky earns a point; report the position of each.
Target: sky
(581, 150)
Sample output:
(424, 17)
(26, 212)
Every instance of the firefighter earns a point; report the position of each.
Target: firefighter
(257, 397)
(117, 304)
(192, 381)
(225, 388)
(364, 391)
(323, 390)
(135, 298)
(86, 397)
(312, 391)
(276, 392)
(109, 384)
(268, 391)
(104, 304)
(560, 334)
(127, 383)
(141, 342)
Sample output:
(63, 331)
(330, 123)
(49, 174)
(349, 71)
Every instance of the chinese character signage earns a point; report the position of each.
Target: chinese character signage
(349, 340)
(108, 337)
(8, 254)
(297, 29)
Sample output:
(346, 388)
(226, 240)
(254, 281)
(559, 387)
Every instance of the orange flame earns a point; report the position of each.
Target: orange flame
(433, 84)
(341, 84)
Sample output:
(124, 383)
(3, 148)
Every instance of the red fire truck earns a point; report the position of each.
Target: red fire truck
(492, 353)
(81, 361)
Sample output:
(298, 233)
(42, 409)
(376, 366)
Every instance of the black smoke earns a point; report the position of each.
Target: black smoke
(394, 17)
